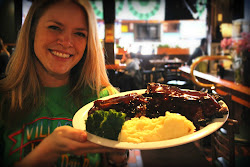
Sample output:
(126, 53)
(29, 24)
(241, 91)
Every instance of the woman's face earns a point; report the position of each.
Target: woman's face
(60, 41)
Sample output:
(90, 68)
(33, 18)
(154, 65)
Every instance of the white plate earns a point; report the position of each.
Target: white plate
(82, 114)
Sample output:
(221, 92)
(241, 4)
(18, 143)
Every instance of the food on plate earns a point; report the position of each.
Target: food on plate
(105, 124)
(198, 107)
(162, 112)
(143, 129)
(133, 105)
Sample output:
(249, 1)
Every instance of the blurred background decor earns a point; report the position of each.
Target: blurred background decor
(241, 59)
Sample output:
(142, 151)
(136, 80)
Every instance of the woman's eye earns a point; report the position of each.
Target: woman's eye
(54, 27)
(80, 34)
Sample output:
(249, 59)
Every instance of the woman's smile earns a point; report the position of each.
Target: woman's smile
(60, 54)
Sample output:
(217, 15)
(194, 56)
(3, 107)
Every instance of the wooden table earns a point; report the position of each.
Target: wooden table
(162, 62)
(115, 66)
(240, 93)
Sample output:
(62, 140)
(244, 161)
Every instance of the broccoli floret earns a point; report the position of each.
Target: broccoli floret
(105, 124)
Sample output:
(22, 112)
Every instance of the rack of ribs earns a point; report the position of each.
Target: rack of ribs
(198, 107)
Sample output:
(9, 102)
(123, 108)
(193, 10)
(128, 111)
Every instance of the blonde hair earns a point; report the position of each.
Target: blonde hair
(22, 87)
(3, 48)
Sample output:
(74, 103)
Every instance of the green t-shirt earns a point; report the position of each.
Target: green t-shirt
(58, 110)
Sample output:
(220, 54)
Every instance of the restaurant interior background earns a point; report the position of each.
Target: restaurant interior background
(145, 27)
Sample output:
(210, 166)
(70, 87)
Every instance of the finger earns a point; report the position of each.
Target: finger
(78, 135)
(74, 134)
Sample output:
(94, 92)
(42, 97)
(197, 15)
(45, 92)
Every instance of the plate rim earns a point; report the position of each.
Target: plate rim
(203, 132)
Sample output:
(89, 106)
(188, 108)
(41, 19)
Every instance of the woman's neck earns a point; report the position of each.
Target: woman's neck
(51, 80)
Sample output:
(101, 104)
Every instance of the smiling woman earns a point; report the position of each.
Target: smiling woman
(59, 43)
(57, 67)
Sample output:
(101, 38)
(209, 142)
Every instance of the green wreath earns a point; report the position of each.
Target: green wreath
(120, 6)
(99, 12)
(144, 16)
(201, 8)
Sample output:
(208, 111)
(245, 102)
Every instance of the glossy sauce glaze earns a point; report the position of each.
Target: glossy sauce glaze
(133, 105)
(199, 107)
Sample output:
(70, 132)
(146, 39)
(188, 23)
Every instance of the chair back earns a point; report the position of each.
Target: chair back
(200, 59)
(223, 143)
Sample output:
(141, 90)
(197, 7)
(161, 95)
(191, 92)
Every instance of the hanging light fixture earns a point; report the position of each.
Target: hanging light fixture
(226, 30)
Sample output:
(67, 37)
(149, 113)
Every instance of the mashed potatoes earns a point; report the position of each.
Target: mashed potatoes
(166, 127)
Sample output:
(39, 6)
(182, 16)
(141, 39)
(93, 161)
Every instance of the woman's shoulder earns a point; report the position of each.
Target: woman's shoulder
(108, 90)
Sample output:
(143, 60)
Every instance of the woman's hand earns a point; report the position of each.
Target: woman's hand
(64, 139)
